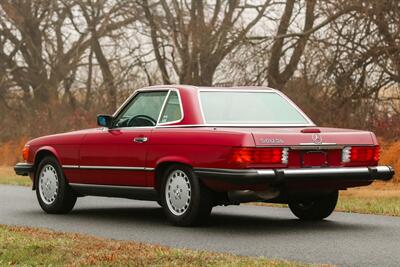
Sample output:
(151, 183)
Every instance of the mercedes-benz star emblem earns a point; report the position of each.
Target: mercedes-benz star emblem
(317, 139)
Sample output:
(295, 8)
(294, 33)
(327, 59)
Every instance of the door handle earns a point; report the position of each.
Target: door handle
(140, 139)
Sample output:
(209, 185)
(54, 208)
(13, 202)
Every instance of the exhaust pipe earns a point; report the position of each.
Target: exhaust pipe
(242, 196)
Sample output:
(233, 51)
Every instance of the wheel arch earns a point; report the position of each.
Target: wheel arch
(40, 154)
(164, 164)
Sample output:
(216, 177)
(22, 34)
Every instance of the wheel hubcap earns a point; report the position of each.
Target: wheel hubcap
(48, 184)
(178, 192)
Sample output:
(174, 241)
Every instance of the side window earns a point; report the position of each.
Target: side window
(142, 111)
(172, 111)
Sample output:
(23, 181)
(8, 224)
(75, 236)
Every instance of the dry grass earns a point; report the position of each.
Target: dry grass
(390, 155)
(10, 152)
(21, 246)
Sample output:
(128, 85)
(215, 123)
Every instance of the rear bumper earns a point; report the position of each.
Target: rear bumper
(23, 169)
(256, 176)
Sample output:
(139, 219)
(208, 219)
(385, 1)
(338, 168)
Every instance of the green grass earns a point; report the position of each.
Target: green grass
(383, 206)
(8, 176)
(370, 201)
(20, 246)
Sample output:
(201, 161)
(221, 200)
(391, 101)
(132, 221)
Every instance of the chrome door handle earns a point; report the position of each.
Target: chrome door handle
(140, 139)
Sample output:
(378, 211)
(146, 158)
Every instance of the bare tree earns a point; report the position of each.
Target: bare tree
(43, 42)
(74, 58)
(118, 14)
(289, 47)
(347, 70)
(33, 47)
(191, 38)
(386, 16)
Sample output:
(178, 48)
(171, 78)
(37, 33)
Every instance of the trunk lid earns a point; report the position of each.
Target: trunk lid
(300, 136)
(310, 146)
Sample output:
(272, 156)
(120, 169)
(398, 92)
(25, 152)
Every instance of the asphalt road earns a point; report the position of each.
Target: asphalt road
(344, 239)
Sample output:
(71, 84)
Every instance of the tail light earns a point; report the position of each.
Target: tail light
(245, 155)
(360, 154)
(25, 153)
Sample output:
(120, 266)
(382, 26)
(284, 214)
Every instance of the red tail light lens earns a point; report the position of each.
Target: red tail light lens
(246, 155)
(361, 154)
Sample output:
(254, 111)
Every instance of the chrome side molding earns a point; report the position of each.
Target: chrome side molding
(121, 168)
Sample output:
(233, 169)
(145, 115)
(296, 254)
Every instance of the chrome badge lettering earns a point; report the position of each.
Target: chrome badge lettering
(271, 141)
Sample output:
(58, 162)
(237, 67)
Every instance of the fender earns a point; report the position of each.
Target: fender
(50, 149)
(177, 159)
(151, 178)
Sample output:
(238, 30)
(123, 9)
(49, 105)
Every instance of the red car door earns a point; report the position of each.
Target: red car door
(117, 156)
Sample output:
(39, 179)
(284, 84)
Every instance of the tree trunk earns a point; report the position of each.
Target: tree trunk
(107, 75)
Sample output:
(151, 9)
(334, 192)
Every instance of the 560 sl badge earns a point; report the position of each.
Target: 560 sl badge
(271, 141)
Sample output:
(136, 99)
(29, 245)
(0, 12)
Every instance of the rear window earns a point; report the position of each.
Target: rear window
(249, 108)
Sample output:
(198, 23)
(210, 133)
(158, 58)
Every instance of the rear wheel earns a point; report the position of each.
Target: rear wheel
(52, 190)
(185, 200)
(315, 209)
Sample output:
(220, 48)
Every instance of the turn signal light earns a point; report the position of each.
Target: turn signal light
(361, 154)
(25, 153)
(245, 155)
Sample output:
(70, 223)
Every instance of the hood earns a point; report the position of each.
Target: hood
(62, 138)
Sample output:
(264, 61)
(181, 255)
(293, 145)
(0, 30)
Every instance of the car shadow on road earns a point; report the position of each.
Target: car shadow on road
(271, 224)
(217, 223)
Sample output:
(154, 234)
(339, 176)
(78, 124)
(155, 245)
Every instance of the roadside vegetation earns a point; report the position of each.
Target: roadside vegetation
(20, 246)
(7, 176)
(382, 199)
(57, 71)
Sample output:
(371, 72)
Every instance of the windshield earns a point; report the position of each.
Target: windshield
(243, 107)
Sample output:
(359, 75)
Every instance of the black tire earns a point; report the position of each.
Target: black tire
(201, 199)
(65, 198)
(316, 209)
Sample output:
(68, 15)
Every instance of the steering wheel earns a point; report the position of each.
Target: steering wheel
(141, 120)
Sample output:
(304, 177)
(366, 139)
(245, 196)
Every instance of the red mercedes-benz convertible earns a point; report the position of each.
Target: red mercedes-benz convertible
(192, 148)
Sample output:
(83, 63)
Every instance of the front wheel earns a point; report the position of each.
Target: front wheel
(52, 190)
(185, 200)
(315, 209)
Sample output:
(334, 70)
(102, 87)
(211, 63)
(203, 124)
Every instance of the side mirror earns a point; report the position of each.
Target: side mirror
(104, 120)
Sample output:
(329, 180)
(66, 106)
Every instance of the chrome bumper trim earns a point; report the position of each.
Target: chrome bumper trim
(244, 176)
(23, 168)
(378, 172)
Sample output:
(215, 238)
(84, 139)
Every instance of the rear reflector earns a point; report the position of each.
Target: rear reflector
(360, 154)
(246, 155)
